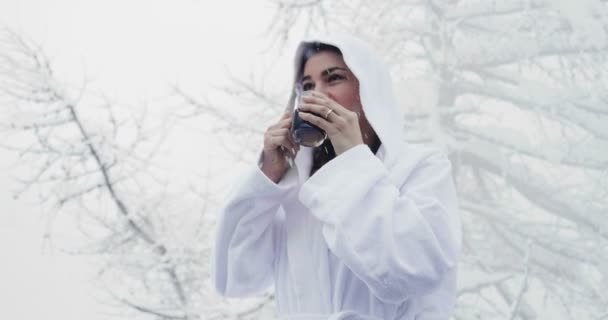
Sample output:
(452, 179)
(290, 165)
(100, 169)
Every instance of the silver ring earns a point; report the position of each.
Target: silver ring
(328, 113)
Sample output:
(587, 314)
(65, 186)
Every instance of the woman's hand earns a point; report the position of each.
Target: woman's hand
(340, 124)
(278, 145)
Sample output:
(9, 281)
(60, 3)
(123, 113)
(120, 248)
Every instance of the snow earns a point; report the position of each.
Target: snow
(586, 18)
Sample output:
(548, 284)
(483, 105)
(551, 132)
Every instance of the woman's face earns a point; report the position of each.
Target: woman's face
(327, 73)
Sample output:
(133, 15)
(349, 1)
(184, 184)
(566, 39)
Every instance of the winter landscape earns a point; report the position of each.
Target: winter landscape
(124, 124)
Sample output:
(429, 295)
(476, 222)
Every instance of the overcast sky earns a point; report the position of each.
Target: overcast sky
(130, 51)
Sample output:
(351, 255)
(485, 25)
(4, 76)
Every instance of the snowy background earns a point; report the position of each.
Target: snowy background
(123, 124)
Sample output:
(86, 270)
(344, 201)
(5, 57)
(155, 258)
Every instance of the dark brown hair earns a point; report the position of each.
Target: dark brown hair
(325, 152)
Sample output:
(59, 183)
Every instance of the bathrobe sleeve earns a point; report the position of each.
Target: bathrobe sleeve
(243, 256)
(399, 240)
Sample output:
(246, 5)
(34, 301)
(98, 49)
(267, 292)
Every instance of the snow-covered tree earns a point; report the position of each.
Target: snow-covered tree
(100, 164)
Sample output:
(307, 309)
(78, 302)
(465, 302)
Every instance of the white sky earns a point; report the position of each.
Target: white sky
(130, 51)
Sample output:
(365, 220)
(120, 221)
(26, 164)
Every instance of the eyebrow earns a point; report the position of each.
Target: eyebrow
(324, 73)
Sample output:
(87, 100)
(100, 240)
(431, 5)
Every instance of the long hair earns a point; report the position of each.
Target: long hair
(325, 152)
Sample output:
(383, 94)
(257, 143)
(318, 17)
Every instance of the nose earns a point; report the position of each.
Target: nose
(324, 90)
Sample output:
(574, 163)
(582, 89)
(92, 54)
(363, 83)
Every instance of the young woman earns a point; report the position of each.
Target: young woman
(364, 226)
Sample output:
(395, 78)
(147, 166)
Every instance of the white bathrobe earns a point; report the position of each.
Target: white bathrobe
(368, 236)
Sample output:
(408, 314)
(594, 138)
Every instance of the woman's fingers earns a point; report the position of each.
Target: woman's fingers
(285, 126)
(283, 142)
(315, 105)
(278, 136)
(285, 123)
(277, 147)
(317, 109)
(282, 138)
(285, 115)
(323, 100)
(289, 137)
(277, 131)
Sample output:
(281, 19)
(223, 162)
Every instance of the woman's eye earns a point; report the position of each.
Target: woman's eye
(307, 86)
(335, 77)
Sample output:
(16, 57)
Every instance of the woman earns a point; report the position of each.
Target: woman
(368, 230)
